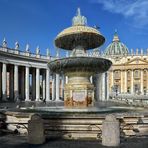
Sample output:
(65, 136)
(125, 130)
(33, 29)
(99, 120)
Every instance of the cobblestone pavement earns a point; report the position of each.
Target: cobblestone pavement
(14, 141)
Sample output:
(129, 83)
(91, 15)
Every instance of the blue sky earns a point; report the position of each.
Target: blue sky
(37, 22)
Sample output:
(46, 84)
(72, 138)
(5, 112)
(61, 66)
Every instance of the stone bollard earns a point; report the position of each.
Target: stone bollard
(36, 130)
(111, 131)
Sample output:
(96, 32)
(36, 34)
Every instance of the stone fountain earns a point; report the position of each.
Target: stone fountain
(79, 91)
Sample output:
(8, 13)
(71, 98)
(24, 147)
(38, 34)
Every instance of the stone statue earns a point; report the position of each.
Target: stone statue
(132, 51)
(47, 52)
(27, 48)
(4, 44)
(37, 50)
(16, 45)
(137, 51)
(79, 20)
(141, 51)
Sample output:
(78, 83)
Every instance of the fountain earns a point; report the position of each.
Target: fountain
(79, 91)
(71, 121)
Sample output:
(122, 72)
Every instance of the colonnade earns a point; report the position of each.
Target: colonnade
(26, 83)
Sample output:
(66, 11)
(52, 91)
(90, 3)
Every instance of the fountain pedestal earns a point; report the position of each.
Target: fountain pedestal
(78, 92)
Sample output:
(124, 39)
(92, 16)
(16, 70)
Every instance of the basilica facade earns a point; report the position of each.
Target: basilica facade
(129, 72)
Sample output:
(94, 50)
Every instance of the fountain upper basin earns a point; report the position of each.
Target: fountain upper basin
(85, 36)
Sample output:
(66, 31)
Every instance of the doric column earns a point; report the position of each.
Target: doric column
(53, 87)
(107, 85)
(11, 82)
(47, 85)
(57, 87)
(96, 84)
(122, 88)
(22, 83)
(131, 81)
(141, 89)
(91, 79)
(103, 87)
(4, 82)
(16, 90)
(34, 84)
(0, 82)
(112, 80)
(37, 84)
(66, 79)
(100, 86)
(125, 81)
(62, 86)
(147, 81)
(44, 85)
(27, 83)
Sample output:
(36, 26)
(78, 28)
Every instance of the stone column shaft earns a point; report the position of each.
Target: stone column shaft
(147, 81)
(141, 89)
(91, 79)
(16, 90)
(132, 82)
(53, 87)
(96, 84)
(125, 81)
(103, 87)
(121, 91)
(34, 84)
(107, 85)
(22, 83)
(47, 85)
(11, 82)
(66, 79)
(99, 77)
(27, 84)
(4, 82)
(37, 84)
(57, 87)
(62, 84)
(112, 80)
(0, 82)
(44, 85)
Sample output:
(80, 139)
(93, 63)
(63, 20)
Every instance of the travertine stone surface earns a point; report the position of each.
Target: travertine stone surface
(36, 130)
(110, 131)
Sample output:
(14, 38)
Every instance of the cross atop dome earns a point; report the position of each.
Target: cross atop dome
(79, 20)
(116, 38)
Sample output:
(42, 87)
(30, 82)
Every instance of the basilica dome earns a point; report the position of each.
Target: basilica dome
(116, 47)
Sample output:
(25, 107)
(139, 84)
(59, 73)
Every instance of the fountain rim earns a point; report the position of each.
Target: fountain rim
(83, 31)
(61, 69)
